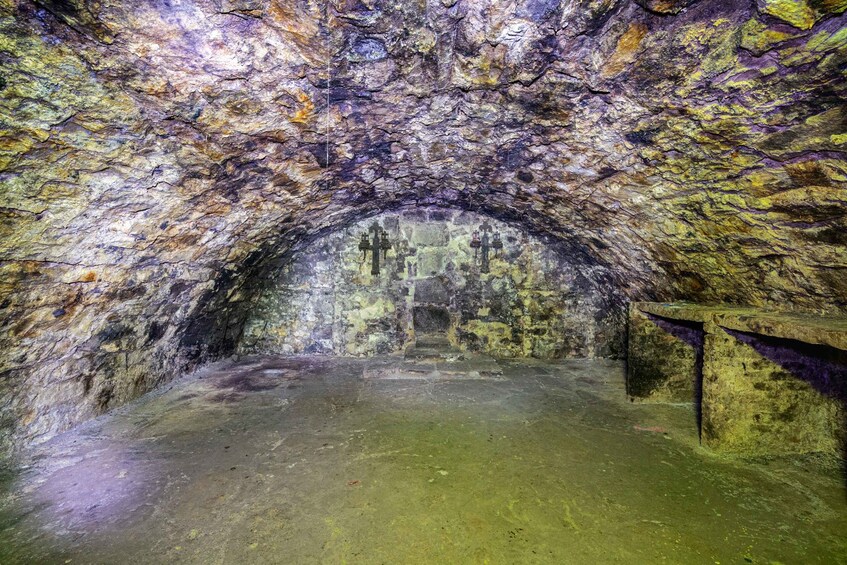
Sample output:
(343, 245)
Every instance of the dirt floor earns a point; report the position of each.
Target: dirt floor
(311, 460)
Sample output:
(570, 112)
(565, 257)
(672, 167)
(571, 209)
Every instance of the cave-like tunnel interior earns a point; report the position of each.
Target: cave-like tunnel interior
(459, 280)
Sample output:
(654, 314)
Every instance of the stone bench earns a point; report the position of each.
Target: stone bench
(762, 382)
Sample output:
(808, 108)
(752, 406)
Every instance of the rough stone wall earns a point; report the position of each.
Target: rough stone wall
(535, 302)
(664, 359)
(130, 219)
(158, 157)
(758, 403)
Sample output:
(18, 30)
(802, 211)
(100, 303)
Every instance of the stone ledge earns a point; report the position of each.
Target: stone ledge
(807, 328)
(762, 382)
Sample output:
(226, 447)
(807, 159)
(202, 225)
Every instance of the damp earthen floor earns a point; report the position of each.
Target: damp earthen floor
(292, 461)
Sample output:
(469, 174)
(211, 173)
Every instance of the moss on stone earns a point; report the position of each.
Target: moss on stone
(758, 38)
(527, 305)
(194, 153)
(795, 12)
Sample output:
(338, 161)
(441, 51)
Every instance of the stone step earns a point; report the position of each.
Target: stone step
(432, 347)
(462, 366)
(403, 373)
(434, 341)
(430, 354)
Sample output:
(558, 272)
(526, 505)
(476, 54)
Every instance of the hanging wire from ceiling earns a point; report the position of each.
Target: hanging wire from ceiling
(328, 84)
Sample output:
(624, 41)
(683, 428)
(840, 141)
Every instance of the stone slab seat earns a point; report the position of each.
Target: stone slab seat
(763, 382)
(807, 328)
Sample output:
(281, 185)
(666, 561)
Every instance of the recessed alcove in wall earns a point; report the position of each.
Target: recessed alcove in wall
(536, 301)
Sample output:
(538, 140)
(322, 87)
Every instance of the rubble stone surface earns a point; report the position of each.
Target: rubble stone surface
(160, 159)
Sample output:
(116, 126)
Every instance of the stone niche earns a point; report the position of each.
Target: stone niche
(534, 302)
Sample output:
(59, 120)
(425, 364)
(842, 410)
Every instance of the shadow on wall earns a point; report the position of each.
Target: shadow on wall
(692, 334)
(821, 366)
(753, 395)
(218, 324)
(536, 301)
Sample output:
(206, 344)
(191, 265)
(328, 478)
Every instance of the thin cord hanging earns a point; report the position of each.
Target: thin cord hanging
(328, 83)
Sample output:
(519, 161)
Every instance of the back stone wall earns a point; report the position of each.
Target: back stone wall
(537, 301)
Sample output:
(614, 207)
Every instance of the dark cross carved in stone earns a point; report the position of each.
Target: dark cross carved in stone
(485, 244)
(380, 242)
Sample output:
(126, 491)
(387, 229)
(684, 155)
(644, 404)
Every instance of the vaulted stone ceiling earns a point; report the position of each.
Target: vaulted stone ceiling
(160, 158)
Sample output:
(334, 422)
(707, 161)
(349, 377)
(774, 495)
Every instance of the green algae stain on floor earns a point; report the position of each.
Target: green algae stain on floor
(506, 484)
(547, 465)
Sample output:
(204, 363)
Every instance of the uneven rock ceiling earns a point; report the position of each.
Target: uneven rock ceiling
(159, 156)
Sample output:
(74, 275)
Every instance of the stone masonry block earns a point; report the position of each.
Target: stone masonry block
(664, 359)
(766, 399)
